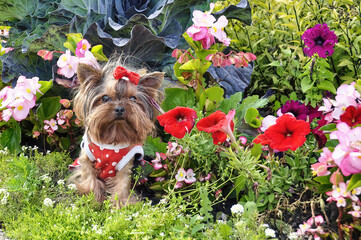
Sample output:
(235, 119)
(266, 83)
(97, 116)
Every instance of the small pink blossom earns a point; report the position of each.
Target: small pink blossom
(67, 64)
(65, 103)
(36, 134)
(178, 185)
(243, 140)
(181, 175)
(21, 108)
(45, 54)
(190, 176)
(27, 88)
(51, 125)
(217, 30)
(82, 47)
(157, 162)
(174, 149)
(6, 114)
(204, 19)
(159, 179)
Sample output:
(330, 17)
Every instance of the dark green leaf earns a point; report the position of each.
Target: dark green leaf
(11, 138)
(178, 97)
(48, 108)
(154, 145)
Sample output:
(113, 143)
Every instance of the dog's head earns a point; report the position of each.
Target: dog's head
(116, 111)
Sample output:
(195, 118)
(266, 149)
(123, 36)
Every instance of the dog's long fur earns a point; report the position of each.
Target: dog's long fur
(102, 126)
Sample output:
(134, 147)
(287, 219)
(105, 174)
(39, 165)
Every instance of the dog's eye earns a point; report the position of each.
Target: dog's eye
(105, 99)
(133, 98)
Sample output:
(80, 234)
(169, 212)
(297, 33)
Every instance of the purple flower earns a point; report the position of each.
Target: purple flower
(319, 39)
(298, 109)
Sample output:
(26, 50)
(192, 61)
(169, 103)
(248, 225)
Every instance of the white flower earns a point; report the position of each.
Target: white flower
(163, 201)
(270, 232)
(72, 186)
(293, 236)
(161, 234)
(45, 178)
(48, 202)
(265, 225)
(61, 182)
(237, 209)
(220, 221)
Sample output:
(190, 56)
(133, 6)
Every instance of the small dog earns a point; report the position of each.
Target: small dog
(117, 115)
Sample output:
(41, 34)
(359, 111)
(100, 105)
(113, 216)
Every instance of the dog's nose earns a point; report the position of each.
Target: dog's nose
(119, 111)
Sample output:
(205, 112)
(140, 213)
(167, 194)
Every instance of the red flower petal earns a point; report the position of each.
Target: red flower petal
(209, 124)
(219, 137)
(262, 139)
(178, 121)
(287, 133)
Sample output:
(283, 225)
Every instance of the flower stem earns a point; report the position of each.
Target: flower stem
(340, 232)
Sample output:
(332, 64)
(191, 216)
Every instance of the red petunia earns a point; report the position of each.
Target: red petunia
(219, 124)
(178, 121)
(352, 116)
(287, 133)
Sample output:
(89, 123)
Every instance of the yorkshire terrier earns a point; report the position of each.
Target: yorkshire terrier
(115, 106)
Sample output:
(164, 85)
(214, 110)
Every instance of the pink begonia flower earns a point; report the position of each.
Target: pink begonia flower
(7, 113)
(21, 108)
(27, 88)
(267, 122)
(65, 102)
(67, 64)
(243, 140)
(336, 177)
(159, 179)
(36, 134)
(157, 162)
(208, 41)
(7, 95)
(89, 59)
(197, 33)
(45, 54)
(204, 19)
(8, 49)
(347, 153)
(324, 162)
(190, 176)
(178, 185)
(81, 47)
(356, 211)
(346, 96)
(51, 125)
(206, 178)
(338, 194)
(217, 30)
(174, 149)
(327, 108)
(181, 175)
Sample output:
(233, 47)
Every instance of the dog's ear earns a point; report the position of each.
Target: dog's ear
(88, 74)
(150, 83)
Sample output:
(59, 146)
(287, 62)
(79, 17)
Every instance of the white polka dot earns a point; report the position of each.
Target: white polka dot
(92, 150)
(102, 148)
(98, 159)
(107, 155)
(116, 150)
(111, 171)
(114, 163)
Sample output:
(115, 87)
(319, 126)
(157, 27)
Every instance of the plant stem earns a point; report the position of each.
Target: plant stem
(334, 69)
(340, 232)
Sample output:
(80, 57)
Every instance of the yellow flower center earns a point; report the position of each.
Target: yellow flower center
(28, 90)
(215, 29)
(63, 58)
(84, 47)
(20, 108)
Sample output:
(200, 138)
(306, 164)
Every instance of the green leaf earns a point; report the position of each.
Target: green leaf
(45, 86)
(210, 98)
(328, 127)
(345, 62)
(197, 228)
(327, 85)
(355, 182)
(230, 103)
(157, 186)
(11, 138)
(225, 231)
(64, 143)
(322, 179)
(72, 40)
(190, 41)
(158, 173)
(193, 64)
(306, 84)
(48, 108)
(154, 145)
(251, 118)
(98, 53)
(178, 97)
(252, 101)
(202, 54)
(240, 184)
(256, 150)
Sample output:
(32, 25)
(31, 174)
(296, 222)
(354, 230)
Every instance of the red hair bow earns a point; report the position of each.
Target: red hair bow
(121, 72)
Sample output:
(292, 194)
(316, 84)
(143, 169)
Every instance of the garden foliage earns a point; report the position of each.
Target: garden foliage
(263, 116)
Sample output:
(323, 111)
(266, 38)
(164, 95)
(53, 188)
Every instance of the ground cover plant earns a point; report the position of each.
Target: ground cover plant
(257, 135)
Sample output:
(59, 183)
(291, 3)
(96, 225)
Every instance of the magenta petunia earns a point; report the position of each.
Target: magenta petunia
(298, 109)
(319, 39)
